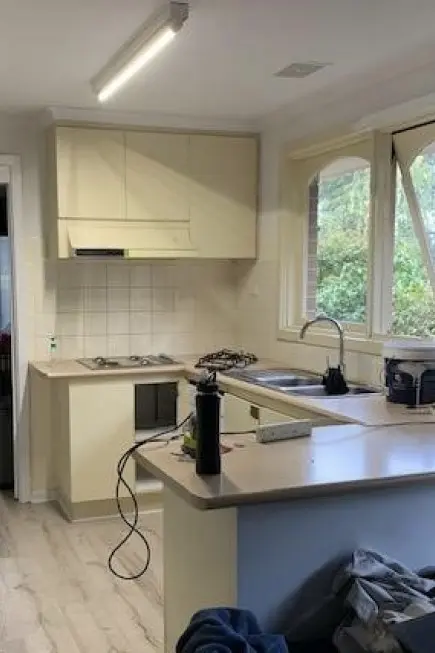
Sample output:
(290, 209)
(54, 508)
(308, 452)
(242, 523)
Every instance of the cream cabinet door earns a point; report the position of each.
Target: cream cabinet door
(101, 430)
(157, 176)
(223, 204)
(90, 173)
(268, 416)
(239, 415)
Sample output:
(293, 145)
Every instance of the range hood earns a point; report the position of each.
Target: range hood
(125, 239)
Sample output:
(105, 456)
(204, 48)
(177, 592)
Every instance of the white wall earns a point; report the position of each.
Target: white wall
(259, 285)
(22, 136)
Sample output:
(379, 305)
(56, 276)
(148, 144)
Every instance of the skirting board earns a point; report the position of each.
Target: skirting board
(148, 501)
(42, 496)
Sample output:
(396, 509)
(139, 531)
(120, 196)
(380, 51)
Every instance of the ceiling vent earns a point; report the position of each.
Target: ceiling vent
(300, 70)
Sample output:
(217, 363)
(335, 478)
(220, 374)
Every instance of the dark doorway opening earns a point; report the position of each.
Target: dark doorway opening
(6, 434)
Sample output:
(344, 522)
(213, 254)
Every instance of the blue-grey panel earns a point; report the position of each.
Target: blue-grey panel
(280, 545)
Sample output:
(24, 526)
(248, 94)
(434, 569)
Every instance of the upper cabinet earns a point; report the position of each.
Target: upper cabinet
(157, 183)
(223, 207)
(150, 194)
(90, 167)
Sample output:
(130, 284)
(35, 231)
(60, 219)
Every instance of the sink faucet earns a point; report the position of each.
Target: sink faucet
(325, 318)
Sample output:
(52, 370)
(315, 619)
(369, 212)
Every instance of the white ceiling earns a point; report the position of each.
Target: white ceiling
(222, 64)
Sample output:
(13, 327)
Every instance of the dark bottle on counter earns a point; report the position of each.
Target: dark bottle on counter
(208, 455)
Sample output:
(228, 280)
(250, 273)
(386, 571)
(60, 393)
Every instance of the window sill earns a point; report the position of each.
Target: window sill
(318, 338)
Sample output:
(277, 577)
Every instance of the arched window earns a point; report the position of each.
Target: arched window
(414, 242)
(338, 240)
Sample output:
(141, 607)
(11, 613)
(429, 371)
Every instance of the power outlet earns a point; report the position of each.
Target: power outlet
(283, 431)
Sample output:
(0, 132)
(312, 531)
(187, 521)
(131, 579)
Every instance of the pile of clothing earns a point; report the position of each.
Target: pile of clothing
(355, 612)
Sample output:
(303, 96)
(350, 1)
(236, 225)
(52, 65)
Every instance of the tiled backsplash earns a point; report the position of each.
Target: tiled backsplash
(128, 307)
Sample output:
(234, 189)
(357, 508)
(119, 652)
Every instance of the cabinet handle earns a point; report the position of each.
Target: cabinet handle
(255, 412)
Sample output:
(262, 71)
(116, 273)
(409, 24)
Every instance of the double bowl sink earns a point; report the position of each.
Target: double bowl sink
(293, 382)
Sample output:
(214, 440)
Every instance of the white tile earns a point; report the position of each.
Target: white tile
(185, 343)
(71, 347)
(163, 323)
(140, 322)
(118, 299)
(164, 343)
(118, 323)
(95, 299)
(140, 299)
(224, 339)
(95, 346)
(95, 274)
(69, 274)
(184, 300)
(69, 324)
(118, 346)
(118, 275)
(140, 344)
(95, 324)
(163, 299)
(140, 275)
(163, 275)
(184, 322)
(45, 324)
(69, 299)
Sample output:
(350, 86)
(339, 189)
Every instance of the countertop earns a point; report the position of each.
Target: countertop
(335, 459)
(72, 369)
(368, 410)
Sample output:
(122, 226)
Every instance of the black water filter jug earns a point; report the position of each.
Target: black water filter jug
(208, 455)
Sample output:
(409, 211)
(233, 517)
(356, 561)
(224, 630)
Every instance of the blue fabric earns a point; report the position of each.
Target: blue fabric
(228, 630)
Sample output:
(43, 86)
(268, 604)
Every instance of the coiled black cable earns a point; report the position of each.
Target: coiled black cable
(132, 525)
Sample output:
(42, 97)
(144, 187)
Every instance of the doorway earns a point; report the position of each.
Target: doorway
(6, 419)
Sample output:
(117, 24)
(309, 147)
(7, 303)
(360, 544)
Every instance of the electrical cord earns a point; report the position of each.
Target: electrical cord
(132, 525)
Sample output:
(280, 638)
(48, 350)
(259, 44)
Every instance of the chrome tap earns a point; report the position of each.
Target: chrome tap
(325, 318)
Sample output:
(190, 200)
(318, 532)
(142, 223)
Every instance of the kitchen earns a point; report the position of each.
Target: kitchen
(157, 303)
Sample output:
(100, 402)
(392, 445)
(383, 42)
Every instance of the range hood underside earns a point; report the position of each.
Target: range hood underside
(125, 239)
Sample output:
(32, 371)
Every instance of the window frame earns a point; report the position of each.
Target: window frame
(408, 145)
(377, 149)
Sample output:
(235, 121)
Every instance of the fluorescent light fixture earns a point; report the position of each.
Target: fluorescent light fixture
(154, 35)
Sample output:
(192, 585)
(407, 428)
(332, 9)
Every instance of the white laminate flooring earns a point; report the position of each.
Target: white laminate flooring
(57, 594)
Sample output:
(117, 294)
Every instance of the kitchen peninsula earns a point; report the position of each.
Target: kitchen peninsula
(82, 420)
(278, 512)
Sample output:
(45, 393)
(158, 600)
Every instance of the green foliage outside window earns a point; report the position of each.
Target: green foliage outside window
(343, 250)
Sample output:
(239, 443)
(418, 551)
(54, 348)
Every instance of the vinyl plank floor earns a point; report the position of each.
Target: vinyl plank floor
(57, 594)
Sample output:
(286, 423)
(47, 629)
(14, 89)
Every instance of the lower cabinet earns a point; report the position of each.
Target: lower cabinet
(94, 425)
(268, 416)
(241, 415)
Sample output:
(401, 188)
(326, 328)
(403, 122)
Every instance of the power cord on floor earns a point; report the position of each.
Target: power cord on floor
(132, 525)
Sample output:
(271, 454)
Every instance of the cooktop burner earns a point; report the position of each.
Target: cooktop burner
(226, 359)
(126, 362)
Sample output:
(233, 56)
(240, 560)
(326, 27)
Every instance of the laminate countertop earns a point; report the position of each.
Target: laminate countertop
(72, 369)
(368, 410)
(334, 460)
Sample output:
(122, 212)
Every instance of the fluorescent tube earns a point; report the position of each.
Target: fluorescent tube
(149, 51)
(151, 38)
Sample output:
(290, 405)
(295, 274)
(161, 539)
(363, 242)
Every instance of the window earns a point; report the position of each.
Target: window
(414, 245)
(358, 241)
(413, 302)
(338, 248)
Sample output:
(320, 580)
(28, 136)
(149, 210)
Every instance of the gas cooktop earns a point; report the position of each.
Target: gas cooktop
(126, 362)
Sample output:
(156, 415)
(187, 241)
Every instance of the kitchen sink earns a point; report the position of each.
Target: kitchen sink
(319, 391)
(275, 378)
(292, 382)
